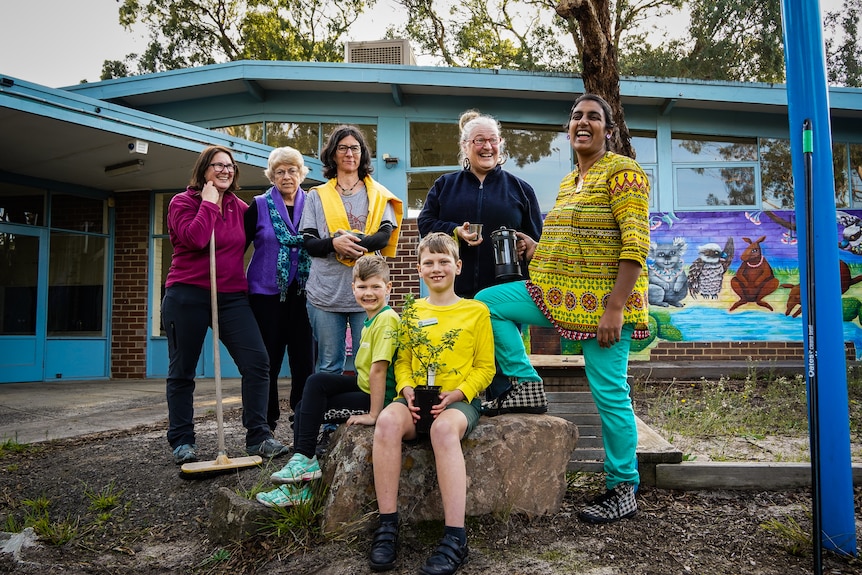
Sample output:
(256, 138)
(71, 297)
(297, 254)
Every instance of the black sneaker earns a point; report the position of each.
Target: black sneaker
(615, 504)
(447, 558)
(384, 547)
(268, 448)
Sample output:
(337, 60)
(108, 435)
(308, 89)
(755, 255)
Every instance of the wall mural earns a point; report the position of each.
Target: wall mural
(734, 276)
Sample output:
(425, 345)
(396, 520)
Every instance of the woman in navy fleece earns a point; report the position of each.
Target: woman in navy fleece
(481, 193)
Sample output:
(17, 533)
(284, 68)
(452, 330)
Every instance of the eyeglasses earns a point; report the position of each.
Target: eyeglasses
(219, 167)
(480, 142)
(342, 149)
(292, 172)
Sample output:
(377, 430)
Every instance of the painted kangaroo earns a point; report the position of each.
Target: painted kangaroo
(794, 298)
(754, 279)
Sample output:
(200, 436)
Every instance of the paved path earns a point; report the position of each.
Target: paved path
(41, 411)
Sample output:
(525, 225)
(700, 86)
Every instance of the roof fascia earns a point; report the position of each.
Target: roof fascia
(63, 105)
(401, 78)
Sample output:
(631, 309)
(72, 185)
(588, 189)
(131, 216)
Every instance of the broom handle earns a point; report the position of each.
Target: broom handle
(216, 353)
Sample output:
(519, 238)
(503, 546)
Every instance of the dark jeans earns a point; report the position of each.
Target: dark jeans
(285, 324)
(186, 315)
(324, 391)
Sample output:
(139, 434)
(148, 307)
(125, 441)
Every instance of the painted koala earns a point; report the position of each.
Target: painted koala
(851, 236)
(668, 282)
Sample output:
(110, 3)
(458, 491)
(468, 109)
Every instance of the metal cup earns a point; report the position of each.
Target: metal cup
(475, 229)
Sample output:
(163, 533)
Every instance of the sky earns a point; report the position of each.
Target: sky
(61, 42)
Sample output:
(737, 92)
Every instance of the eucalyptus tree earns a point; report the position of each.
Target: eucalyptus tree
(843, 48)
(187, 33)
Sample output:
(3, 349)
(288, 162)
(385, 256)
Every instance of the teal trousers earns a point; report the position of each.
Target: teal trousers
(510, 304)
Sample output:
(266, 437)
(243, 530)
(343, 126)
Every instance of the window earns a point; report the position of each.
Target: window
(714, 172)
(307, 137)
(776, 174)
(252, 132)
(646, 153)
(76, 284)
(22, 205)
(433, 144)
(78, 266)
(856, 174)
(539, 155)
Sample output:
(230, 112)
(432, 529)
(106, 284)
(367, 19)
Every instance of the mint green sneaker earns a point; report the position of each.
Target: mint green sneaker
(285, 496)
(299, 468)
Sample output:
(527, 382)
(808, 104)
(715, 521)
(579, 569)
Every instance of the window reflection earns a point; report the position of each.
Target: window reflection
(433, 144)
(540, 157)
(22, 205)
(252, 132)
(418, 184)
(708, 187)
(307, 137)
(77, 270)
(776, 174)
(79, 213)
(713, 149)
(856, 174)
(19, 274)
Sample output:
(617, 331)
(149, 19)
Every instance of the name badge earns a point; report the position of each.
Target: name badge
(427, 322)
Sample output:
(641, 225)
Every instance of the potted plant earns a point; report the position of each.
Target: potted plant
(426, 359)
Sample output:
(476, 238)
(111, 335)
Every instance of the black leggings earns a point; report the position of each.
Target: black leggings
(324, 391)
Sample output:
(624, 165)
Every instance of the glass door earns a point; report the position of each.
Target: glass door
(22, 303)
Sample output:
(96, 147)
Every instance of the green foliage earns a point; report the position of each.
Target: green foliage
(104, 500)
(12, 446)
(746, 408)
(733, 40)
(298, 525)
(36, 515)
(798, 541)
(104, 505)
(850, 308)
(843, 48)
(218, 556)
(187, 33)
(411, 336)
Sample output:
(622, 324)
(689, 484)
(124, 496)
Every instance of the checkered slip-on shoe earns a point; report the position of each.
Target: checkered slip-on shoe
(523, 397)
(615, 504)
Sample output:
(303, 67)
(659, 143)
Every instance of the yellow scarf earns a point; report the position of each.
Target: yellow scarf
(378, 197)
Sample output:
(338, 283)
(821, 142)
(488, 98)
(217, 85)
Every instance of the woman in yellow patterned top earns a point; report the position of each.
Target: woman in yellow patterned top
(587, 280)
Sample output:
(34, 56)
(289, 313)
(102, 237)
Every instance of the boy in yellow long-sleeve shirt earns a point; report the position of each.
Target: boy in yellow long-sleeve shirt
(468, 369)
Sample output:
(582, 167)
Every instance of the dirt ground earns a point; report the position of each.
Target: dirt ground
(160, 523)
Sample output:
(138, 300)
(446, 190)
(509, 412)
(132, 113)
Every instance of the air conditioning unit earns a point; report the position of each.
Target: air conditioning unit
(379, 52)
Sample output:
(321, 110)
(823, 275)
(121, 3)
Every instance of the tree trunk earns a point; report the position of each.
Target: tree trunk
(601, 69)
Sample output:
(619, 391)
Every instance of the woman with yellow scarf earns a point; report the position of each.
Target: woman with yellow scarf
(348, 216)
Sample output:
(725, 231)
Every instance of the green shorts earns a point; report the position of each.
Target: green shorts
(470, 410)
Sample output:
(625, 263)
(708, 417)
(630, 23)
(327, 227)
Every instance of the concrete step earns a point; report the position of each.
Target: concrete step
(579, 408)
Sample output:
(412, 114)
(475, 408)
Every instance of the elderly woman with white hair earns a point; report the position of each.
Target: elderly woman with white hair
(481, 193)
(278, 272)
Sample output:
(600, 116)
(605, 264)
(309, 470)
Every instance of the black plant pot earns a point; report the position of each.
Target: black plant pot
(426, 396)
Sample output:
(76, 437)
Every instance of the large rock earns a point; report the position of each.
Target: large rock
(515, 464)
(235, 518)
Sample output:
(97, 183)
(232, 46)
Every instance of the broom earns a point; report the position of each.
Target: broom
(222, 463)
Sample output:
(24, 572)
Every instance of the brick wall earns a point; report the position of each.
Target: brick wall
(129, 318)
(403, 274)
(546, 341)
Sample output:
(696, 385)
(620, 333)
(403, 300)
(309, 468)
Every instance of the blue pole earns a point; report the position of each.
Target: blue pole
(808, 99)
